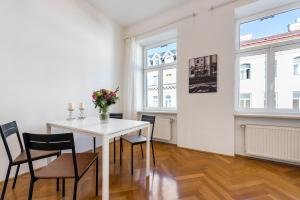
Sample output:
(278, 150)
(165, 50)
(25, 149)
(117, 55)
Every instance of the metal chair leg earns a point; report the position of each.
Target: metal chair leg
(153, 153)
(142, 150)
(121, 143)
(132, 160)
(97, 166)
(121, 151)
(16, 176)
(5, 182)
(31, 189)
(94, 141)
(75, 189)
(64, 187)
(114, 150)
(57, 184)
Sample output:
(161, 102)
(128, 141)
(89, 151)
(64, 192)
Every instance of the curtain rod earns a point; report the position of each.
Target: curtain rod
(183, 18)
(222, 4)
(163, 26)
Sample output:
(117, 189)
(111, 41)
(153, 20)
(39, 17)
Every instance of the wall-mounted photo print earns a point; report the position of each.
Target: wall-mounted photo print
(203, 74)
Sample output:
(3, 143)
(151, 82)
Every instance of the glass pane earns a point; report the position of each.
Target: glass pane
(152, 89)
(169, 88)
(252, 81)
(271, 29)
(162, 55)
(287, 81)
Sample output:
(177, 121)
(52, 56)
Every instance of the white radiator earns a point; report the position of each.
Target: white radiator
(163, 129)
(279, 143)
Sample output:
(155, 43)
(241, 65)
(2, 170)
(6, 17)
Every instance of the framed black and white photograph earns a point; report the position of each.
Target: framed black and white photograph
(203, 74)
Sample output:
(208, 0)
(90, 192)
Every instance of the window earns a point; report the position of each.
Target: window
(270, 29)
(245, 100)
(160, 76)
(297, 66)
(245, 71)
(296, 100)
(269, 63)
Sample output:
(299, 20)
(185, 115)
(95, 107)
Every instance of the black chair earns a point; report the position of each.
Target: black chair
(10, 129)
(67, 165)
(114, 116)
(140, 139)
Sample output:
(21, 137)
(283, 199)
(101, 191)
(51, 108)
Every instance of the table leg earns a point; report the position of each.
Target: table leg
(105, 168)
(148, 152)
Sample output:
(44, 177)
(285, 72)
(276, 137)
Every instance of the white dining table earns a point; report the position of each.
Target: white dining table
(112, 128)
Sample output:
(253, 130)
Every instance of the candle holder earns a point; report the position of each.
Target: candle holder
(81, 113)
(71, 114)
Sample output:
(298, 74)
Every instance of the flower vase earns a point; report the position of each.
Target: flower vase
(103, 114)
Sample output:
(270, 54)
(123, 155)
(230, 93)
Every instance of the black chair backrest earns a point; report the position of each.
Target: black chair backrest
(7, 130)
(50, 142)
(151, 120)
(116, 115)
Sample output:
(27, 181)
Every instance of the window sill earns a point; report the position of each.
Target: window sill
(270, 116)
(164, 112)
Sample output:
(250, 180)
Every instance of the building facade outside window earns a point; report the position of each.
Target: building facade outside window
(160, 89)
(268, 61)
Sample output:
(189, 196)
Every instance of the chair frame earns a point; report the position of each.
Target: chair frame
(151, 120)
(7, 130)
(54, 142)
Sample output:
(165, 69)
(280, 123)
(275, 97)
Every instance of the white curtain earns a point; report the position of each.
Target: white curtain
(130, 79)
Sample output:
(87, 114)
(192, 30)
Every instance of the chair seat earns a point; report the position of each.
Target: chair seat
(135, 139)
(62, 167)
(35, 155)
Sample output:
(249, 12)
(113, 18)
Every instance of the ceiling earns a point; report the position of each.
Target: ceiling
(129, 12)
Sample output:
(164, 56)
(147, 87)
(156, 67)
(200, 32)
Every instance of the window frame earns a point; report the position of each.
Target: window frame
(160, 69)
(270, 50)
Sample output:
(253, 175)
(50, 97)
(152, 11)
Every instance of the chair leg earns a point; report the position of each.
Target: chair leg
(16, 176)
(31, 189)
(97, 171)
(121, 147)
(142, 150)
(94, 141)
(5, 183)
(57, 184)
(114, 150)
(75, 189)
(63, 187)
(153, 153)
(121, 143)
(132, 159)
(57, 180)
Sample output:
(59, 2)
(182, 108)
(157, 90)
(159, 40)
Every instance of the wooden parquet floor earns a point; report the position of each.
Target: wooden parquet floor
(180, 174)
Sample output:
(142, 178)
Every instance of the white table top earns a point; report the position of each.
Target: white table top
(92, 125)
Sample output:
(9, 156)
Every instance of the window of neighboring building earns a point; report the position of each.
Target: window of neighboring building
(245, 71)
(160, 76)
(265, 56)
(297, 66)
(245, 100)
(296, 100)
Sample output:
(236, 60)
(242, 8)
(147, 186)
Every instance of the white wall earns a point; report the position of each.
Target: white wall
(52, 53)
(205, 121)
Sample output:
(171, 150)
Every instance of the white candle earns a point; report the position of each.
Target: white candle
(71, 106)
(81, 105)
